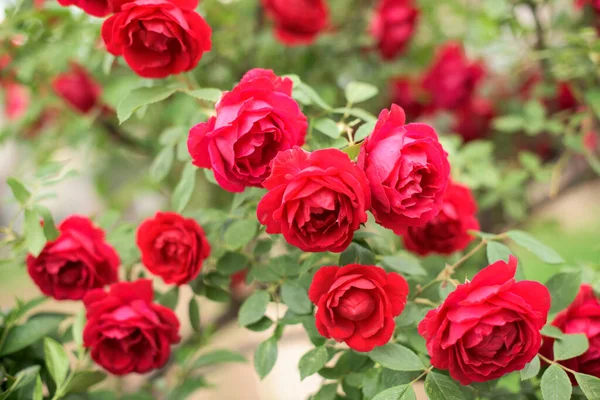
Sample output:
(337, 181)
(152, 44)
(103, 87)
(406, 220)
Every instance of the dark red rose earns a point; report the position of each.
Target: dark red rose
(78, 261)
(254, 122)
(316, 200)
(452, 78)
(172, 247)
(357, 304)
(408, 94)
(157, 38)
(488, 327)
(78, 88)
(393, 24)
(17, 99)
(582, 316)
(297, 22)
(565, 98)
(97, 8)
(126, 331)
(407, 169)
(447, 232)
(473, 120)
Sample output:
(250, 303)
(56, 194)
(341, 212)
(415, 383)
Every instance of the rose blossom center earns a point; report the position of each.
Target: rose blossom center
(356, 305)
(170, 247)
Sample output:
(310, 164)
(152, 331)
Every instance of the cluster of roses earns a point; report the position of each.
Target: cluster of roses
(125, 330)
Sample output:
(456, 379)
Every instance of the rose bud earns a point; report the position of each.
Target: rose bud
(255, 121)
(78, 88)
(316, 200)
(172, 247)
(448, 231)
(488, 327)
(157, 38)
(582, 316)
(393, 24)
(126, 331)
(407, 169)
(297, 22)
(357, 304)
(76, 262)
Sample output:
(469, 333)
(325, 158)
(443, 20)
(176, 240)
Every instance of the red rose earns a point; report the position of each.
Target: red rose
(78, 88)
(407, 169)
(447, 232)
(317, 200)
(565, 98)
(590, 141)
(473, 120)
(157, 38)
(76, 262)
(297, 21)
(393, 25)
(97, 8)
(408, 94)
(126, 331)
(16, 100)
(452, 79)
(254, 122)
(488, 327)
(357, 304)
(582, 316)
(172, 247)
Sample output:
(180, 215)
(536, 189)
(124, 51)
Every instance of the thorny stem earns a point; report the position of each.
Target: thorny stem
(549, 361)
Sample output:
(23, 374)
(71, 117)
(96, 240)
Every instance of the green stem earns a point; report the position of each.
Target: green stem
(549, 361)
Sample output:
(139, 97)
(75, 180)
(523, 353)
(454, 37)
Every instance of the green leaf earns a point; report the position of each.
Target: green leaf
(356, 112)
(265, 357)
(216, 293)
(569, 346)
(328, 127)
(397, 357)
(218, 357)
(162, 164)
(296, 298)
(404, 263)
(34, 233)
(552, 331)
(57, 360)
(78, 326)
(253, 308)
(544, 252)
(22, 379)
(50, 230)
(194, 314)
(356, 254)
(30, 332)
(240, 233)
(313, 96)
(170, 298)
(590, 385)
(82, 380)
(184, 189)
(509, 123)
(210, 176)
(531, 369)
(497, 251)
(208, 94)
(261, 325)
(357, 92)
(140, 97)
(364, 130)
(327, 392)
(352, 151)
(18, 190)
(38, 391)
(313, 361)
(563, 288)
(442, 387)
(556, 384)
(232, 262)
(402, 392)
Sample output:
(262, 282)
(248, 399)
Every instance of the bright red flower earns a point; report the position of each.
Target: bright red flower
(157, 38)
(172, 247)
(357, 304)
(448, 231)
(17, 99)
(297, 22)
(474, 119)
(316, 200)
(452, 79)
(488, 327)
(254, 122)
(582, 316)
(407, 169)
(126, 331)
(78, 261)
(78, 88)
(96, 8)
(393, 25)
